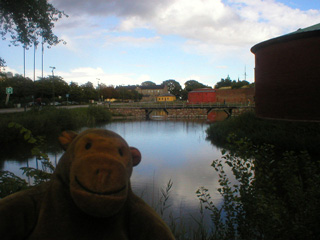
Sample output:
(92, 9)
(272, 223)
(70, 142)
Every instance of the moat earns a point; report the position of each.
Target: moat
(174, 151)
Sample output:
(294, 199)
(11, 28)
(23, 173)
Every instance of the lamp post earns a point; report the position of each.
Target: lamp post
(98, 89)
(53, 68)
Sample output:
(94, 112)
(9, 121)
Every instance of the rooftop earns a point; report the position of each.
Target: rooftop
(152, 87)
(166, 95)
(315, 27)
(312, 31)
(204, 90)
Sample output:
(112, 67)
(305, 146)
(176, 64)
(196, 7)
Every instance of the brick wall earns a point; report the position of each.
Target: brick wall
(242, 95)
(190, 113)
(172, 113)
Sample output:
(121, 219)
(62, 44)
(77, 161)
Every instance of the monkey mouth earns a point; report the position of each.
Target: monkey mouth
(99, 193)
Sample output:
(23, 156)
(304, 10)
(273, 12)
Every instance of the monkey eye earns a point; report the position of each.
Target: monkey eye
(88, 145)
(120, 152)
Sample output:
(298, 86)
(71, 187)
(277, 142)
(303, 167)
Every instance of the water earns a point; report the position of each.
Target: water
(171, 150)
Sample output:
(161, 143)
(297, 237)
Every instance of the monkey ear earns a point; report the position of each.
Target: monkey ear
(66, 138)
(136, 156)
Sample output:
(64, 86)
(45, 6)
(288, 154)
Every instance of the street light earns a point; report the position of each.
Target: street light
(98, 89)
(53, 68)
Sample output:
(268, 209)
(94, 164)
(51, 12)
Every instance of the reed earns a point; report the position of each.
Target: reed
(51, 120)
(296, 136)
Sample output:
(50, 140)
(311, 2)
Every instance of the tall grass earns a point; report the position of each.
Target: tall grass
(296, 136)
(51, 120)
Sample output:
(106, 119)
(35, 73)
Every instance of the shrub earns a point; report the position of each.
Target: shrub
(275, 197)
(296, 136)
(51, 120)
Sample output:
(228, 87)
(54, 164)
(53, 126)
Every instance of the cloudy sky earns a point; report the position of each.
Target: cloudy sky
(121, 42)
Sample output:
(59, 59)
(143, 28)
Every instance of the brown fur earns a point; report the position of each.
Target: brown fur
(89, 196)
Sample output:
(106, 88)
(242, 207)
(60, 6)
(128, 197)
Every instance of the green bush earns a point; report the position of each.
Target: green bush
(99, 114)
(51, 120)
(276, 195)
(297, 136)
(10, 183)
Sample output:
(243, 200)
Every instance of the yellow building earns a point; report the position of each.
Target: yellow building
(150, 93)
(166, 97)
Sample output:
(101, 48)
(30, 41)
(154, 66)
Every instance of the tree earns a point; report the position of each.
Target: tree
(108, 92)
(227, 82)
(174, 87)
(25, 20)
(2, 63)
(75, 92)
(51, 88)
(61, 88)
(44, 89)
(193, 84)
(89, 92)
(148, 84)
(23, 88)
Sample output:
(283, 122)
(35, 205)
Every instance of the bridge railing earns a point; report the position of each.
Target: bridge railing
(174, 105)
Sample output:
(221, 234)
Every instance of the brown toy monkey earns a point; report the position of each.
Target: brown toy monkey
(88, 197)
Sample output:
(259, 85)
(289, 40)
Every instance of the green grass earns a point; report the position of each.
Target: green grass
(297, 136)
(51, 120)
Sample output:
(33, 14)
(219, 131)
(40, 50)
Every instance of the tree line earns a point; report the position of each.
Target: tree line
(54, 88)
(227, 82)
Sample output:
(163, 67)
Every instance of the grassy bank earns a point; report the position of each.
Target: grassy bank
(277, 166)
(296, 136)
(51, 121)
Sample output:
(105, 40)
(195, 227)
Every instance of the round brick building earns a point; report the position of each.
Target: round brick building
(287, 76)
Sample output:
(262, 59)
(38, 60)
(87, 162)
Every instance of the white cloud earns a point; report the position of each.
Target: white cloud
(131, 41)
(131, 23)
(87, 74)
(29, 72)
(228, 23)
(215, 29)
(8, 69)
(70, 45)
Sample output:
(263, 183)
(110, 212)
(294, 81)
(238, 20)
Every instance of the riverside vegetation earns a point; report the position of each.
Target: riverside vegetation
(276, 193)
(51, 120)
(277, 168)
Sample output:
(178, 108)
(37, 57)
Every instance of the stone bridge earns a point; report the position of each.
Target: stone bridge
(175, 110)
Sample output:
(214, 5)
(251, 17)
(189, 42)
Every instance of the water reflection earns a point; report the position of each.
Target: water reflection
(176, 150)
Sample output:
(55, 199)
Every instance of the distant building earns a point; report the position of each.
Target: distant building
(287, 72)
(202, 95)
(166, 97)
(150, 93)
(222, 95)
(244, 95)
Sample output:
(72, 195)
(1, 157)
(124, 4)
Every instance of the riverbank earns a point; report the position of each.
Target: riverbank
(277, 167)
(293, 136)
(51, 120)
(277, 197)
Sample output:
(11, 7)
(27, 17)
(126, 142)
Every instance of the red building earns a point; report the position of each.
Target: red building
(202, 95)
(287, 72)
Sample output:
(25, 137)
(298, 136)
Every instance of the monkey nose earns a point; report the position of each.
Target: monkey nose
(103, 175)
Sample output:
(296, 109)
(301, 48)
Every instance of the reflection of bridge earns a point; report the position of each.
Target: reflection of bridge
(165, 106)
